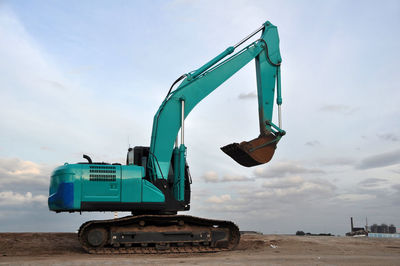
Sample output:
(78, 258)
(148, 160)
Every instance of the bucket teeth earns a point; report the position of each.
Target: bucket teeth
(255, 152)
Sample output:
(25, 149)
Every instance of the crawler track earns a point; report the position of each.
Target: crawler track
(152, 234)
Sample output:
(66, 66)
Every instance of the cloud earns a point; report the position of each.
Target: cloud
(389, 137)
(235, 178)
(212, 177)
(372, 182)
(273, 193)
(81, 69)
(380, 160)
(312, 143)
(297, 186)
(17, 171)
(356, 197)
(36, 92)
(275, 198)
(246, 96)
(284, 183)
(219, 199)
(10, 198)
(338, 108)
(54, 84)
(335, 108)
(397, 171)
(281, 169)
(336, 161)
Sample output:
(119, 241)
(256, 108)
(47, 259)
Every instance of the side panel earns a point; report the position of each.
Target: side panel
(101, 183)
(151, 193)
(91, 187)
(131, 187)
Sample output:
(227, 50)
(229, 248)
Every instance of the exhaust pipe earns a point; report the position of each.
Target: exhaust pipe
(87, 158)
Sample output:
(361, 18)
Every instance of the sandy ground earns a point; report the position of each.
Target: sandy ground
(64, 249)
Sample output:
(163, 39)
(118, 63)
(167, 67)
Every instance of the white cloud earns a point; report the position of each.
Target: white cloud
(355, 197)
(313, 143)
(380, 160)
(389, 137)
(296, 186)
(284, 182)
(335, 108)
(210, 176)
(280, 169)
(336, 161)
(10, 198)
(245, 96)
(37, 110)
(373, 182)
(219, 199)
(17, 171)
(272, 196)
(235, 178)
(338, 108)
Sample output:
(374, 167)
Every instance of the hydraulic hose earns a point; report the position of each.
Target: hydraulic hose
(173, 84)
(266, 51)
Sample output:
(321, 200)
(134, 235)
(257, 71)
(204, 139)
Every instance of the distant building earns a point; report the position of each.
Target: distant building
(392, 229)
(374, 230)
(383, 229)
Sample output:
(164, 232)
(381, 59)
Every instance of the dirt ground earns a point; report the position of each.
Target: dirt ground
(64, 249)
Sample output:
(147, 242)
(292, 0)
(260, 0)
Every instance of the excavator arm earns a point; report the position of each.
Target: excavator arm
(197, 85)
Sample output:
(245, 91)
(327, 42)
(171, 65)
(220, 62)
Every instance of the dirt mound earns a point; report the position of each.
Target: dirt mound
(253, 242)
(27, 244)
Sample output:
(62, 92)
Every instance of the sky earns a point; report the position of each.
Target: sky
(86, 77)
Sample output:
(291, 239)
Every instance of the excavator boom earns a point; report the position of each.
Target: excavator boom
(198, 84)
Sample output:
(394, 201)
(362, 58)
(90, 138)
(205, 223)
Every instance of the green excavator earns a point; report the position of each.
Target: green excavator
(155, 182)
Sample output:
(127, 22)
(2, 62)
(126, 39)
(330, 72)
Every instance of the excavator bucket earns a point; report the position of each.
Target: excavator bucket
(251, 153)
